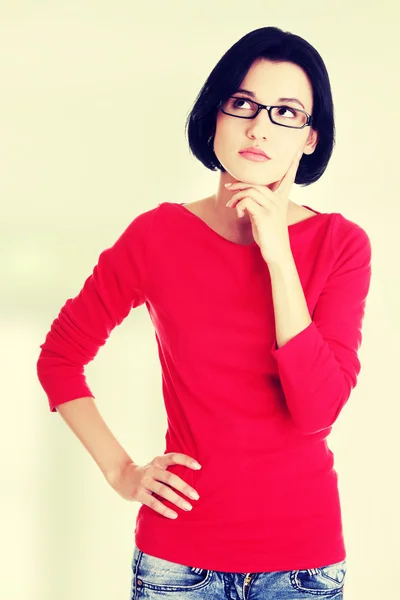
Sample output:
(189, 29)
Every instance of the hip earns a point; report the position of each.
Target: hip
(154, 577)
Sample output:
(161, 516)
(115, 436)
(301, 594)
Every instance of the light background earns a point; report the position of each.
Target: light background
(93, 100)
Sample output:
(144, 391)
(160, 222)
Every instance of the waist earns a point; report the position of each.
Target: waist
(298, 482)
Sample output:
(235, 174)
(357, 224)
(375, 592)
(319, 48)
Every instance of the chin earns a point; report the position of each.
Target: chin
(256, 174)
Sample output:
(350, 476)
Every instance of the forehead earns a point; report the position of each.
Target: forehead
(271, 80)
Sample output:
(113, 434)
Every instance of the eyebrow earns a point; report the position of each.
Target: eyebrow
(252, 94)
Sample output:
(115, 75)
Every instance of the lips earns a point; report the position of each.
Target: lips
(254, 150)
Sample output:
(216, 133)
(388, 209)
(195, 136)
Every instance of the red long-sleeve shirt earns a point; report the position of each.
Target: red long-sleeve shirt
(255, 416)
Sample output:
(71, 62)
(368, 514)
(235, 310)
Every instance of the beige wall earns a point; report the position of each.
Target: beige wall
(74, 78)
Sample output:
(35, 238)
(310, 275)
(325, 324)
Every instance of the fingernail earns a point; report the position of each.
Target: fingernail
(196, 465)
(228, 184)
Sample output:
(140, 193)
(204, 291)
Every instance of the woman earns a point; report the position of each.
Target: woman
(257, 305)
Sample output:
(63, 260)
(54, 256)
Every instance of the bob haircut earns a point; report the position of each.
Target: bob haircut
(273, 44)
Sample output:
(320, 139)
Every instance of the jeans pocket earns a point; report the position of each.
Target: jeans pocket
(158, 574)
(327, 580)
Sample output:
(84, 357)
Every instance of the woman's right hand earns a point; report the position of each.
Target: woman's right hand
(135, 482)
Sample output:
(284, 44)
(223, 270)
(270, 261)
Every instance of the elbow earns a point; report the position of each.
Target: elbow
(312, 427)
(315, 423)
(322, 409)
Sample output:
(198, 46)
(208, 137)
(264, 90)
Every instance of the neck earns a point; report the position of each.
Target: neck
(218, 209)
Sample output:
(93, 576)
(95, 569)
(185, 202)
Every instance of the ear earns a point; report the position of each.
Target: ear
(311, 142)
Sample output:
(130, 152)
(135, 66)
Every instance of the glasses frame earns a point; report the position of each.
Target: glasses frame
(268, 109)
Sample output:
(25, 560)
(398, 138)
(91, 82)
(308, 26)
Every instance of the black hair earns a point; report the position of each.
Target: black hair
(276, 45)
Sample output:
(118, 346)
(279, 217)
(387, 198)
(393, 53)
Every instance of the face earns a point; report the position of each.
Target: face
(269, 81)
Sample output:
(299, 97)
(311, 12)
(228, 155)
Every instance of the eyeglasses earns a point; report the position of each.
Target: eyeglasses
(282, 115)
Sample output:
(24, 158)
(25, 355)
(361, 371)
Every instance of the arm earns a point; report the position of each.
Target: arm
(86, 321)
(85, 421)
(317, 357)
(290, 306)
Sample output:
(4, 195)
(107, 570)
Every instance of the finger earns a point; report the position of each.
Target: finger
(289, 177)
(257, 196)
(176, 482)
(287, 180)
(159, 507)
(165, 491)
(248, 204)
(177, 458)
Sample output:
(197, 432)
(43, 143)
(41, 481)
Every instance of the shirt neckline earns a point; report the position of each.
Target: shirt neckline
(252, 244)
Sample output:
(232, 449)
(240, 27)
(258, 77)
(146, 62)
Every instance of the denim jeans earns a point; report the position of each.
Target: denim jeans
(156, 578)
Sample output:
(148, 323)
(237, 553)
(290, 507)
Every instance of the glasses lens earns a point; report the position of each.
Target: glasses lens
(281, 115)
(286, 115)
(240, 107)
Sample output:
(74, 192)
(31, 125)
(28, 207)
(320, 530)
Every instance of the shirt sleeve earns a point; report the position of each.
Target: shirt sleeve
(84, 323)
(319, 367)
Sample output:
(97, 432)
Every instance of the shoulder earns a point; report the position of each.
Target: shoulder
(144, 221)
(349, 239)
(344, 227)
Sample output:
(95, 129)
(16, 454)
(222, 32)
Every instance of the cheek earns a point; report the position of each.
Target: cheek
(227, 133)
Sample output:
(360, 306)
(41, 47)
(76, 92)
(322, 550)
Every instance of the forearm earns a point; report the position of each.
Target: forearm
(290, 307)
(84, 419)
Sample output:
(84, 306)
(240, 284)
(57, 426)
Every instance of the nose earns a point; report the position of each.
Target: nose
(260, 126)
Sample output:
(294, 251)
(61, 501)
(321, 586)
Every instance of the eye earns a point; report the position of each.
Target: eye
(237, 100)
(291, 111)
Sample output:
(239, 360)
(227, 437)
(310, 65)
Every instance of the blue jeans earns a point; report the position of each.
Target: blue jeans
(155, 578)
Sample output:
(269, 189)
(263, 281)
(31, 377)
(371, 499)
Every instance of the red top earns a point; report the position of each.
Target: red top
(254, 416)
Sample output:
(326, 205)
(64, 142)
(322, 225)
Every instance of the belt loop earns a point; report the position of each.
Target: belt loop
(196, 570)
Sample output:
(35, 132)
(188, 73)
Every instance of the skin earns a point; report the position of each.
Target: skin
(269, 81)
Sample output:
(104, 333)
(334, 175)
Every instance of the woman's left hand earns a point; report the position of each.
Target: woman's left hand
(268, 212)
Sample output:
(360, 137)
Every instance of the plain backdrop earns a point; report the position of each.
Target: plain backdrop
(93, 101)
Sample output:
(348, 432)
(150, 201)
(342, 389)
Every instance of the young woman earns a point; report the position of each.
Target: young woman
(257, 305)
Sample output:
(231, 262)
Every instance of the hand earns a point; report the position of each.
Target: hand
(136, 482)
(268, 212)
